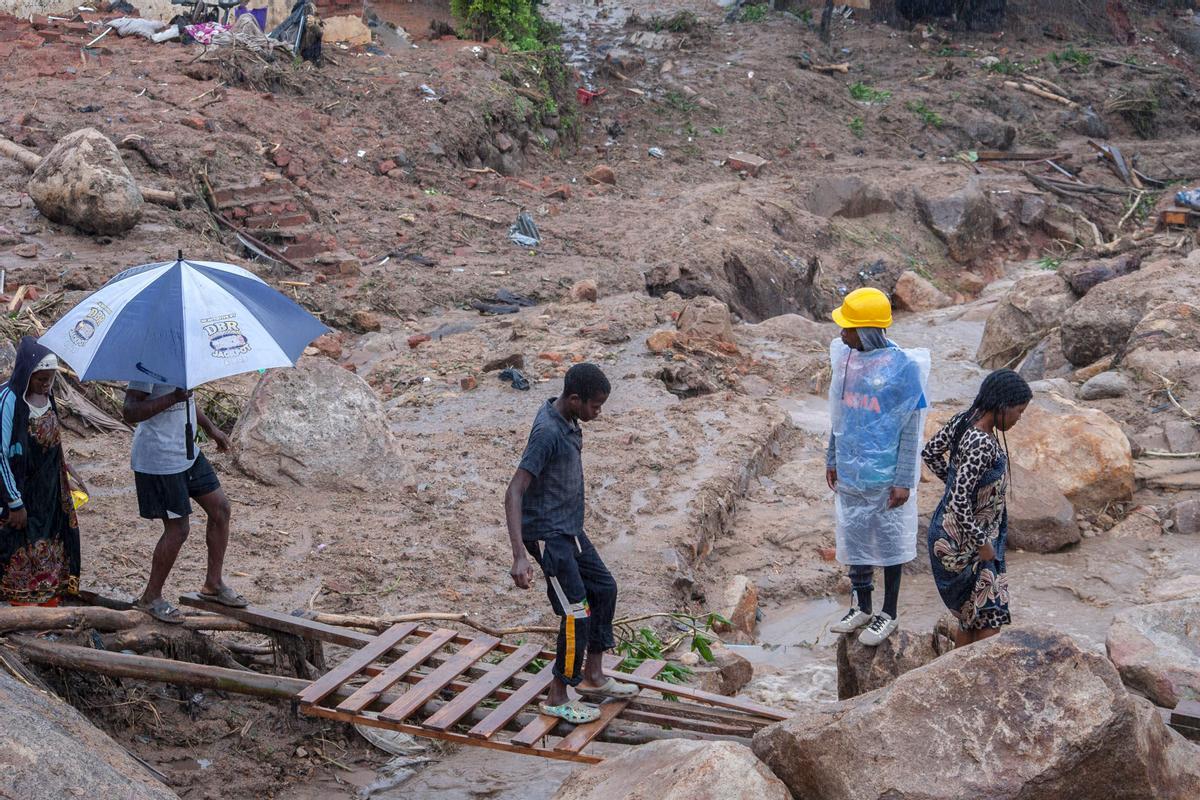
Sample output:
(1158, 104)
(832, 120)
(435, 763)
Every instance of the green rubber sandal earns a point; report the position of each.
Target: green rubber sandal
(574, 712)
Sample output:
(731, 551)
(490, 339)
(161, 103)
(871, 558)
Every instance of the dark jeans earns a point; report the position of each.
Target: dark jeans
(583, 594)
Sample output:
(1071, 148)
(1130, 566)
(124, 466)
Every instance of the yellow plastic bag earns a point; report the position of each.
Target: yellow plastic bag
(78, 498)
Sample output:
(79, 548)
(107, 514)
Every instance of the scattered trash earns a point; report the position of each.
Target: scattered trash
(516, 378)
(135, 26)
(429, 92)
(656, 152)
(524, 232)
(1189, 198)
(203, 33)
(503, 302)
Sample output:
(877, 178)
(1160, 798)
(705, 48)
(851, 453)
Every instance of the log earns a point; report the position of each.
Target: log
(30, 161)
(271, 687)
(1040, 92)
(36, 618)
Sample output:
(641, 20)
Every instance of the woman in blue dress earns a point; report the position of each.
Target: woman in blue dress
(969, 529)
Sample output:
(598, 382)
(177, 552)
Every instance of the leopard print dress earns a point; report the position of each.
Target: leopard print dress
(972, 511)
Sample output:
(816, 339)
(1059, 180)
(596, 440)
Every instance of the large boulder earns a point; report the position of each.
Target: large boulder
(84, 183)
(1083, 451)
(791, 328)
(914, 293)
(49, 751)
(1035, 305)
(847, 197)
(316, 426)
(1041, 519)
(862, 669)
(706, 318)
(677, 769)
(1027, 714)
(1082, 276)
(1156, 648)
(963, 220)
(1165, 342)
(1104, 319)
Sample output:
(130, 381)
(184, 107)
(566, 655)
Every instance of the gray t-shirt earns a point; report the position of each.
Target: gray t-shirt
(159, 443)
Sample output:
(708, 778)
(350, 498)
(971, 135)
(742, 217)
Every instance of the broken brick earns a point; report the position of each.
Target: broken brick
(745, 162)
(468, 382)
(197, 123)
(553, 358)
(417, 340)
(560, 193)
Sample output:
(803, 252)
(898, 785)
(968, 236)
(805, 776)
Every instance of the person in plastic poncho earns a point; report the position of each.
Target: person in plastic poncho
(876, 398)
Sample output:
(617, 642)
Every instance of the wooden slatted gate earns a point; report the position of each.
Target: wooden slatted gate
(475, 689)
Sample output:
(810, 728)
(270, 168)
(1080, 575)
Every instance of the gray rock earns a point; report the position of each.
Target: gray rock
(1104, 320)
(1157, 651)
(1060, 386)
(676, 769)
(1043, 520)
(1105, 386)
(1182, 436)
(1026, 714)
(1029, 311)
(1088, 123)
(990, 133)
(50, 750)
(727, 674)
(1165, 342)
(1185, 517)
(1032, 210)
(1082, 276)
(84, 183)
(963, 220)
(317, 426)
(862, 669)
(1046, 361)
(847, 197)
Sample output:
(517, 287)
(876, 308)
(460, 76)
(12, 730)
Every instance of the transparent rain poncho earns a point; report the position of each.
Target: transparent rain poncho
(872, 396)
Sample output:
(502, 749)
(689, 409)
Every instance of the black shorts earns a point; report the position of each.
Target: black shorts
(167, 496)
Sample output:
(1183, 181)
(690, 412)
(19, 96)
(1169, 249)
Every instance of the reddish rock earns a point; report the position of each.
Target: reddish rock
(195, 122)
(365, 320)
(416, 340)
(329, 345)
(27, 250)
(601, 173)
(555, 358)
(468, 382)
(471, 183)
(584, 291)
(745, 162)
(828, 553)
(282, 158)
(562, 192)
(386, 166)
(294, 170)
(661, 341)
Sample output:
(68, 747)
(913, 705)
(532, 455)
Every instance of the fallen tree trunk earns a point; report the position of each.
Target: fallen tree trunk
(36, 618)
(121, 665)
(30, 161)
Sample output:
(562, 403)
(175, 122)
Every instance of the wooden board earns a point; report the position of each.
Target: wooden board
(395, 671)
(284, 623)
(476, 693)
(437, 680)
(327, 683)
(696, 694)
(529, 691)
(577, 739)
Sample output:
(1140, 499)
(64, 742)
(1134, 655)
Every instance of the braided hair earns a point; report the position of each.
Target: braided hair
(1000, 390)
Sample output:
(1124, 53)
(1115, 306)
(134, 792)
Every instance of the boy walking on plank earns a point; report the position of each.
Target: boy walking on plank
(543, 508)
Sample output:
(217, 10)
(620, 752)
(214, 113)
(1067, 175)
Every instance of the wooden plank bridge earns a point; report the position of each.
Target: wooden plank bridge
(475, 689)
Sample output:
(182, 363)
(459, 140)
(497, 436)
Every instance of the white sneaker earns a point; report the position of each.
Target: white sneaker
(855, 618)
(881, 627)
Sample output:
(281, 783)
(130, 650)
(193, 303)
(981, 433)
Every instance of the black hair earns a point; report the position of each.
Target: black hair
(1000, 390)
(587, 381)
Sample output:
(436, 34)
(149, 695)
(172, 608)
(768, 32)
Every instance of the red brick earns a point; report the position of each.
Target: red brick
(194, 122)
(560, 193)
(386, 166)
(745, 162)
(417, 340)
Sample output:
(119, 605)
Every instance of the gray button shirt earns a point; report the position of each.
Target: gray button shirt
(553, 503)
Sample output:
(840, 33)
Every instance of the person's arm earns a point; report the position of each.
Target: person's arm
(831, 462)
(907, 469)
(17, 515)
(934, 454)
(140, 406)
(522, 570)
(216, 434)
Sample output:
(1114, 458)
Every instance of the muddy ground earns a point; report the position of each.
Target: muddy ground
(734, 472)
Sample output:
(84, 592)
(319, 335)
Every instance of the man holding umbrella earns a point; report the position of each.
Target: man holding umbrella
(166, 480)
(164, 329)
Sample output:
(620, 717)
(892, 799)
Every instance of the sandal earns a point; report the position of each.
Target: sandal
(226, 597)
(573, 711)
(161, 610)
(611, 689)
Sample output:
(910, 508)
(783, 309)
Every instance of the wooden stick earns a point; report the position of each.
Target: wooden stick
(480, 217)
(383, 623)
(1002, 155)
(1040, 92)
(1048, 85)
(36, 618)
(30, 161)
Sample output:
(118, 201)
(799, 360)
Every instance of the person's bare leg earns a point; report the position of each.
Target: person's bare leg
(216, 537)
(593, 669)
(556, 695)
(175, 533)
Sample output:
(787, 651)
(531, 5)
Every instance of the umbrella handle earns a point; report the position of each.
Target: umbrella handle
(189, 433)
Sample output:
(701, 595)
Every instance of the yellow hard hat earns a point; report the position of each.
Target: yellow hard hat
(864, 308)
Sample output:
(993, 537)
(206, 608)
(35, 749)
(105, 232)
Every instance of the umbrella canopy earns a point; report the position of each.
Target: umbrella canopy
(181, 323)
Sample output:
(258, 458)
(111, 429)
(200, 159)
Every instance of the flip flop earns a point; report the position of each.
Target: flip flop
(574, 712)
(162, 611)
(226, 597)
(611, 688)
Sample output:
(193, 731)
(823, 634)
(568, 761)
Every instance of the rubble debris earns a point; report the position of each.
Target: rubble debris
(745, 162)
(524, 232)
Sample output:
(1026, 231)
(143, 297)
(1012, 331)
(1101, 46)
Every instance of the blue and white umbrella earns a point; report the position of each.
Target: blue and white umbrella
(181, 323)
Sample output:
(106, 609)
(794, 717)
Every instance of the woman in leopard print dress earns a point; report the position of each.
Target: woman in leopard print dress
(969, 529)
